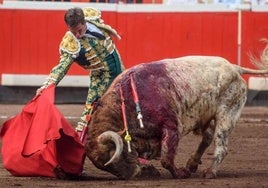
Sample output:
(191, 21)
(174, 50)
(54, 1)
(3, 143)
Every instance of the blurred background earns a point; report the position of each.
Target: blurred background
(30, 33)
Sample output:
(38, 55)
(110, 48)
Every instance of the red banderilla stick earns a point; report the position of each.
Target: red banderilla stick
(136, 100)
(123, 108)
(83, 134)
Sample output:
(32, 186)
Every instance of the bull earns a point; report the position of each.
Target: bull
(200, 94)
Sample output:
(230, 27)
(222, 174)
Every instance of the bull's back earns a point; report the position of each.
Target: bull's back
(178, 88)
(186, 77)
(195, 75)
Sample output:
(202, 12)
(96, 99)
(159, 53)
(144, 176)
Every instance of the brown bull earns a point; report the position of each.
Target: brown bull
(199, 94)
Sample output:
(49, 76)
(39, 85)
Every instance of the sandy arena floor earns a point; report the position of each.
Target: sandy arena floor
(245, 166)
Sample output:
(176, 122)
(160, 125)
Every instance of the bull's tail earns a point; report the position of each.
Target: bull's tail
(244, 70)
(261, 63)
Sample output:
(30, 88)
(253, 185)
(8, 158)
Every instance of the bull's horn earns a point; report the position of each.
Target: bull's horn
(110, 135)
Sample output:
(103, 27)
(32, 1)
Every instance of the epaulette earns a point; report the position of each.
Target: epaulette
(107, 28)
(70, 44)
(94, 16)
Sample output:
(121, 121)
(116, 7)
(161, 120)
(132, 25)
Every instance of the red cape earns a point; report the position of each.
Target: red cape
(39, 140)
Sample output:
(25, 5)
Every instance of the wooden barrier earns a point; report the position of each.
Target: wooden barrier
(30, 35)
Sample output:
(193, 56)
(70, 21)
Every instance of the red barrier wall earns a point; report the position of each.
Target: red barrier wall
(30, 38)
(153, 36)
(254, 28)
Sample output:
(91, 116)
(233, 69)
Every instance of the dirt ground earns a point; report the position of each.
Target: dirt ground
(246, 164)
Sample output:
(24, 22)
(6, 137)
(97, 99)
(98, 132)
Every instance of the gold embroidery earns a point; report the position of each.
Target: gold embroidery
(107, 28)
(90, 54)
(94, 16)
(91, 13)
(70, 44)
(85, 43)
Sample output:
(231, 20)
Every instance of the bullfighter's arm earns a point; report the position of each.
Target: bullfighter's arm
(59, 71)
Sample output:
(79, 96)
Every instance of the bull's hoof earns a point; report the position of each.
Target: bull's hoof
(148, 171)
(183, 173)
(192, 168)
(192, 165)
(209, 174)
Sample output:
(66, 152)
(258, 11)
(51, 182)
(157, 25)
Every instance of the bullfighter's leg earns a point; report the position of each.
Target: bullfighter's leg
(170, 139)
(207, 138)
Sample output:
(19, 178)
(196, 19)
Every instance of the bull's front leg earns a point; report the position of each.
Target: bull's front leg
(195, 159)
(170, 140)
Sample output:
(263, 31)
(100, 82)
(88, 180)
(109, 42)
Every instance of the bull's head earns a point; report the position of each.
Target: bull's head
(107, 153)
